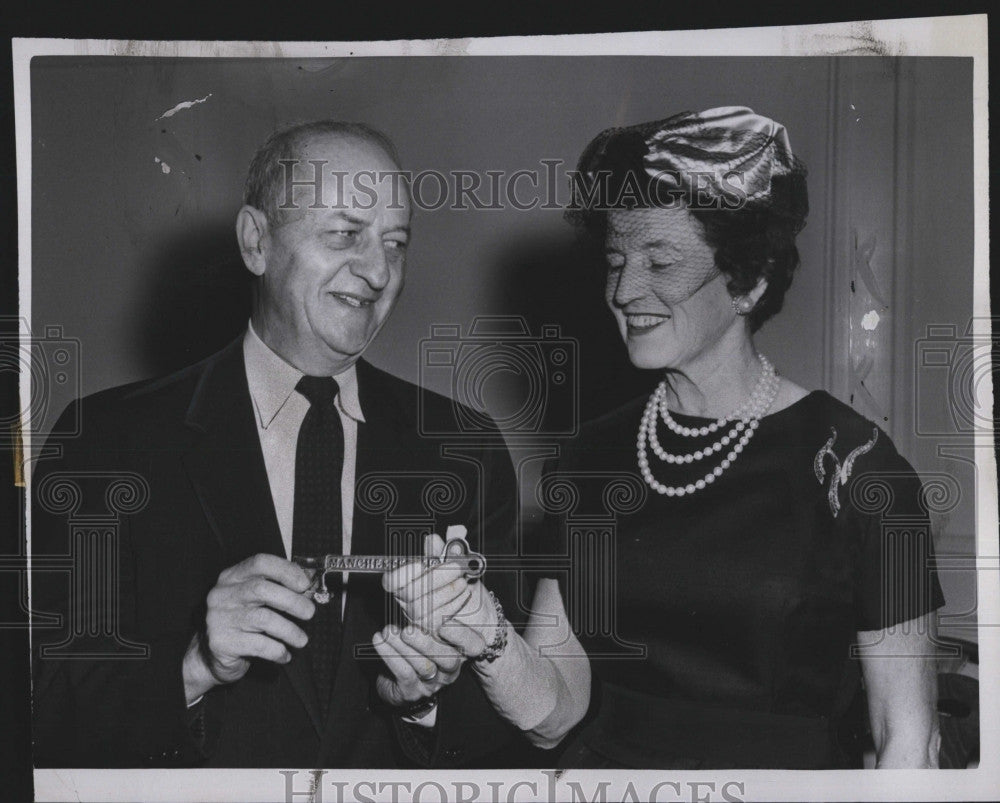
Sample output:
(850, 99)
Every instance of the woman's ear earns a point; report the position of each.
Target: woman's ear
(252, 235)
(758, 290)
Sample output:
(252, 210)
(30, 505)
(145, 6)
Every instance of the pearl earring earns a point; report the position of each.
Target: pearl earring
(742, 305)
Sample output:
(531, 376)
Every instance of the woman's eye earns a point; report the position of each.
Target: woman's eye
(663, 257)
(395, 245)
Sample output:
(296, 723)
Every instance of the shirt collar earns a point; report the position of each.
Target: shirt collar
(272, 382)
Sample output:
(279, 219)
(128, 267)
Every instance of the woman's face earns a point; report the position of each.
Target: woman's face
(668, 297)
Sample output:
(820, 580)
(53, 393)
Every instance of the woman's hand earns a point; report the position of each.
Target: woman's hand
(428, 595)
(473, 627)
(541, 682)
(439, 600)
(421, 664)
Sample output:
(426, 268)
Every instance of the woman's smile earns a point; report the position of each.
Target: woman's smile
(641, 323)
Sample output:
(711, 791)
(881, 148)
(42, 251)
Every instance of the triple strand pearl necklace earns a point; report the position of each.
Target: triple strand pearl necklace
(745, 420)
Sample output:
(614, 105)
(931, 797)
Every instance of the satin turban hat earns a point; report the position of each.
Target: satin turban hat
(729, 157)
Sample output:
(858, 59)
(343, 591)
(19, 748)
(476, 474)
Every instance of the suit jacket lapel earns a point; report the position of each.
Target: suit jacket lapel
(227, 470)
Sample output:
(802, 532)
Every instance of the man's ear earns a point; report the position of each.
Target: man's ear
(252, 233)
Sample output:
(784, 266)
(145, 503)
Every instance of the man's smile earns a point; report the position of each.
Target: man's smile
(352, 300)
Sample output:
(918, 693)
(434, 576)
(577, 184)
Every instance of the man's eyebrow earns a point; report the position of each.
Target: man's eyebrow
(350, 218)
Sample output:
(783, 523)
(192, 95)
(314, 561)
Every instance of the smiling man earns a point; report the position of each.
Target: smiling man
(330, 258)
(254, 457)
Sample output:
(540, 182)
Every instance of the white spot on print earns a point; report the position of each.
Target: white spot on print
(870, 321)
(187, 104)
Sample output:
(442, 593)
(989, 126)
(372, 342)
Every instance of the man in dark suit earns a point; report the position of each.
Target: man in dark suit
(285, 443)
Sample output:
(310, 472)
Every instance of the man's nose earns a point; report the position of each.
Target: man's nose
(371, 263)
(631, 282)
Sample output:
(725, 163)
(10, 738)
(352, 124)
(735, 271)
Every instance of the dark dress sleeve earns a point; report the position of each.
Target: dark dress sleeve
(895, 577)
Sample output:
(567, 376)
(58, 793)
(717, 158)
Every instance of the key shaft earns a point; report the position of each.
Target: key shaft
(456, 551)
(472, 564)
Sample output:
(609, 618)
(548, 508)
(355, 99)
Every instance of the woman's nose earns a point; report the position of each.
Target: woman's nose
(631, 283)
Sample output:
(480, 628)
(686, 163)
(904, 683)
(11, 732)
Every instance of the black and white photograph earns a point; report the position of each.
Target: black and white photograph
(601, 417)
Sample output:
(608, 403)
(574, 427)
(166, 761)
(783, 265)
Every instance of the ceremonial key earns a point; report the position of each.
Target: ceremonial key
(456, 550)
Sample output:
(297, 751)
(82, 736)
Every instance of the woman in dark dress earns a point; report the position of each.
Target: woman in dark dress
(740, 551)
(759, 572)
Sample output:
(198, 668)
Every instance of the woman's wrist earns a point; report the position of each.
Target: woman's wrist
(520, 683)
(496, 646)
(504, 660)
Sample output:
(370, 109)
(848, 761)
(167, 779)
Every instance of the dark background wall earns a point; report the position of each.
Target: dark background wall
(141, 264)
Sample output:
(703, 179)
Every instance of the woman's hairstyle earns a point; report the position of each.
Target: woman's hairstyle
(733, 169)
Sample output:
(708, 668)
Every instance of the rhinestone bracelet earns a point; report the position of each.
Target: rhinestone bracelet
(495, 648)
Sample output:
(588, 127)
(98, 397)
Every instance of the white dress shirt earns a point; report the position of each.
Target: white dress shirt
(279, 411)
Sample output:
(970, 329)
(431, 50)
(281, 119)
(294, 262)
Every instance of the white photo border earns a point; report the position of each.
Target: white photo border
(964, 36)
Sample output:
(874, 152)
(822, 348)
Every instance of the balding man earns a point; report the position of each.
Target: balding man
(254, 456)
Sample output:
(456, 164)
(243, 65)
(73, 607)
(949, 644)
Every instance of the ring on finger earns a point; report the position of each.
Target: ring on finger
(428, 678)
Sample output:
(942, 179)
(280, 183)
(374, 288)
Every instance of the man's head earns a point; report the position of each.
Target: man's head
(324, 228)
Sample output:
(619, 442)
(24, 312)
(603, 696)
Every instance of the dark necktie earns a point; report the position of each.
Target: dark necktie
(317, 523)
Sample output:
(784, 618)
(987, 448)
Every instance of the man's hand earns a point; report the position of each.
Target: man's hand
(247, 618)
(420, 664)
